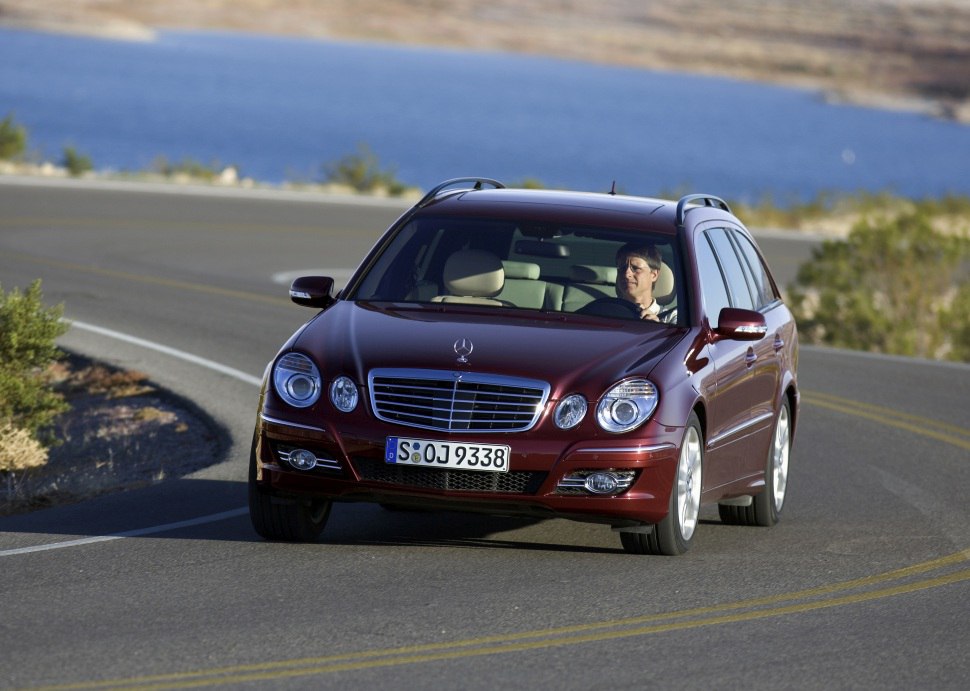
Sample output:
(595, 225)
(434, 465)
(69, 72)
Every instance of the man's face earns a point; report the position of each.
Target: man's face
(635, 279)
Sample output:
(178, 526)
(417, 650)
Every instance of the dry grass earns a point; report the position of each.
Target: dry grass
(901, 53)
(18, 450)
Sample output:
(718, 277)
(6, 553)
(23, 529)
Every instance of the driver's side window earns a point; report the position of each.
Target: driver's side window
(713, 288)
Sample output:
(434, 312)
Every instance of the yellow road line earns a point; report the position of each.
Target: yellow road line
(890, 412)
(106, 223)
(951, 434)
(155, 280)
(812, 599)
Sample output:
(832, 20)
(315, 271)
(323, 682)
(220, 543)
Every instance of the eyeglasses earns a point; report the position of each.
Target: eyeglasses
(635, 268)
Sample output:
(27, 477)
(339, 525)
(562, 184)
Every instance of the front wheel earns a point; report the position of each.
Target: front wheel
(286, 519)
(673, 535)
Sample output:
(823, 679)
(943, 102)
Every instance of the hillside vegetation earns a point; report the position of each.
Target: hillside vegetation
(909, 54)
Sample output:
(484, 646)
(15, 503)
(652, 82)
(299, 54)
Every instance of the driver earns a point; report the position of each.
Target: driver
(637, 269)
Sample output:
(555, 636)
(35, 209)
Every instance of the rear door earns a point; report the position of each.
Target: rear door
(740, 403)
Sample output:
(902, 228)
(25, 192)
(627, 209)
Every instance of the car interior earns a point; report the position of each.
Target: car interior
(504, 264)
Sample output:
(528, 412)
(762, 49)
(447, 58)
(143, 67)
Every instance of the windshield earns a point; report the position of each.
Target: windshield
(504, 264)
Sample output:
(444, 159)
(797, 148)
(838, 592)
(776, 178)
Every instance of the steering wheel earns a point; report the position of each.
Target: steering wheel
(617, 308)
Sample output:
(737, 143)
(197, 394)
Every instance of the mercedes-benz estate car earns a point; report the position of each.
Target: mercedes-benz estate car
(598, 357)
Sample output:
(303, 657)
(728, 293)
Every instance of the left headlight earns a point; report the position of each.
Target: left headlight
(297, 380)
(627, 405)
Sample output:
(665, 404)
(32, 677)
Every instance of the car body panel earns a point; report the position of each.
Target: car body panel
(733, 382)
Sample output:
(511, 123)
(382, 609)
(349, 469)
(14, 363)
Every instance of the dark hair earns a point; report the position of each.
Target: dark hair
(645, 251)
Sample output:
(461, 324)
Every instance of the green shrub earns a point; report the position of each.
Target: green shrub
(956, 320)
(362, 172)
(77, 164)
(188, 167)
(28, 331)
(895, 285)
(13, 139)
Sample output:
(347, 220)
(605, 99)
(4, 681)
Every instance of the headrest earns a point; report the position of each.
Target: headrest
(526, 270)
(587, 273)
(664, 287)
(474, 273)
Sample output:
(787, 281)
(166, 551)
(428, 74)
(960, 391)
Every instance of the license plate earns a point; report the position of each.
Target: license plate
(447, 454)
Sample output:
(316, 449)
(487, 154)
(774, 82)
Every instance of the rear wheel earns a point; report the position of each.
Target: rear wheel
(289, 519)
(765, 508)
(673, 535)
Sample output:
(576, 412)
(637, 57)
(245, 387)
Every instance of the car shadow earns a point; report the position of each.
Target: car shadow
(216, 510)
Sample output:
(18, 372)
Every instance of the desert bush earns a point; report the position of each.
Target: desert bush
(76, 163)
(188, 167)
(28, 331)
(13, 139)
(895, 285)
(362, 172)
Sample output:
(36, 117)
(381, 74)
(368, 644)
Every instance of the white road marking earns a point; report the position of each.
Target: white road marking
(202, 520)
(181, 355)
(173, 352)
(339, 276)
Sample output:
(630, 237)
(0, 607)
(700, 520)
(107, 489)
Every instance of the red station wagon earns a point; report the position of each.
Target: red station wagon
(598, 357)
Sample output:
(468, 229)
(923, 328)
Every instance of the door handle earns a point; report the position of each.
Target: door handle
(750, 357)
(779, 342)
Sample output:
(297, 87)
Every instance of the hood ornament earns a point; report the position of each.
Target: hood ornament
(463, 348)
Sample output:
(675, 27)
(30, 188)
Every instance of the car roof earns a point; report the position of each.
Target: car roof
(593, 208)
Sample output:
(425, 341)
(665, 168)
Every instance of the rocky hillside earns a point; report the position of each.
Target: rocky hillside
(912, 54)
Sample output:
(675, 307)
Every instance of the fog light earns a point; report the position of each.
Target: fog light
(602, 483)
(608, 481)
(301, 459)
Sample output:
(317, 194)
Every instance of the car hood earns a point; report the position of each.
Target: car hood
(570, 352)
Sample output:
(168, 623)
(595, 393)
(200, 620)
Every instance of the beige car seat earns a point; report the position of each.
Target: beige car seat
(472, 277)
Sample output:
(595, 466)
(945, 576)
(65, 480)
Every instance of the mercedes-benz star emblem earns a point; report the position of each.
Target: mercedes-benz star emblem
(463, 348)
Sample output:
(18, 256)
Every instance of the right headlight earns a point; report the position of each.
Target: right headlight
(343, 394)
(570, 411)
(297, 380)
(627, 405)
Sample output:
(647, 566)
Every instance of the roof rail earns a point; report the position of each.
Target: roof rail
(707, 199)
(438, 189)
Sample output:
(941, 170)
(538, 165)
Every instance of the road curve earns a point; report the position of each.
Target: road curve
(863, 584)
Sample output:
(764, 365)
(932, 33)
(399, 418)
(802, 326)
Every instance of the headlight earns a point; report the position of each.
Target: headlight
(570, 411)
(297, 380)
(627, 405)
(343, 394)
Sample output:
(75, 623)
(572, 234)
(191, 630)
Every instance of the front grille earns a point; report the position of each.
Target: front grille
(445, 479)
(456, 401)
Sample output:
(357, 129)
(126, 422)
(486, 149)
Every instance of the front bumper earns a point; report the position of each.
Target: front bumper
(352, 468)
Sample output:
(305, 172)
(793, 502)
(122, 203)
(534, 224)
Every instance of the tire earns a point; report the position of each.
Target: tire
(766, 506)
(287, 519)
(673, 535)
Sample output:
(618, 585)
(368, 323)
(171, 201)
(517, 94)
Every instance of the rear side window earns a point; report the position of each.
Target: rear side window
(755, 269)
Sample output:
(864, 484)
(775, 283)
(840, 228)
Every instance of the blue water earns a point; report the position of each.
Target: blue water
(280, 109)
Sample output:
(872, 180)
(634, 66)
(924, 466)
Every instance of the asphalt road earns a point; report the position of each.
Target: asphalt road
(864, 583)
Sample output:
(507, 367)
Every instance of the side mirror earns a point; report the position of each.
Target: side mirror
(741, 325)
(312, 291)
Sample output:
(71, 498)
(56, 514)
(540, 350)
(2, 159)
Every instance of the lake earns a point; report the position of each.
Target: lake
(280, 109)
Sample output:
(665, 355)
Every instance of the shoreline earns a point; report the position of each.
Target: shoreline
(840, 82)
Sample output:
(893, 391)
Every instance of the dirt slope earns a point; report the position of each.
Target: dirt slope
(912, 54)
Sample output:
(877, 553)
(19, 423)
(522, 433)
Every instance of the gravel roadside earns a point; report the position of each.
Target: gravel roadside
(121, 432)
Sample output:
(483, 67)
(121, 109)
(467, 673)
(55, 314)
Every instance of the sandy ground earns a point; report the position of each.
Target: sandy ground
(911, 54)
(121, 432)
